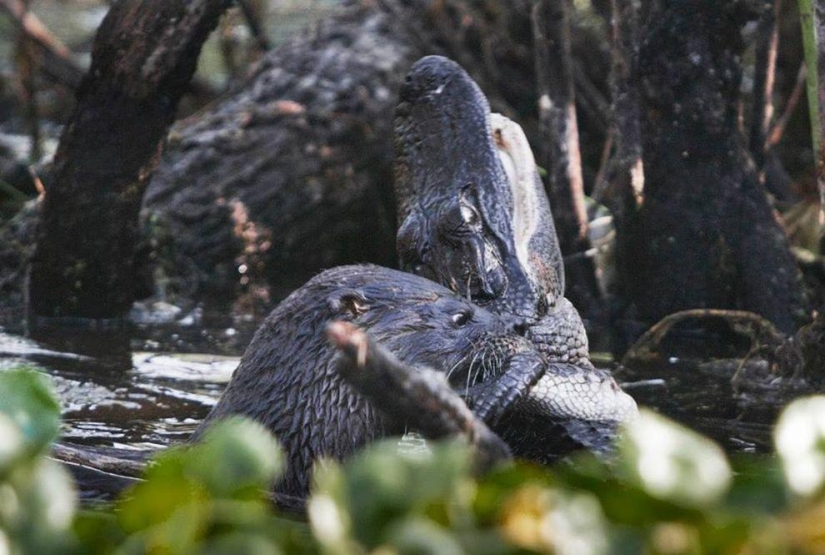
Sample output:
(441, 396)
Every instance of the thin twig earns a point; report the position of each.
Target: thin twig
(57, 58)
(27, 63)
(557, 116)
(12, 192)
(778, 129)
(765, 73)
(600, 183)
(253, 21)
(759, 329)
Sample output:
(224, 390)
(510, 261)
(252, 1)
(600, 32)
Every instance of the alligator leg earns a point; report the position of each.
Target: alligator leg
(490, 400)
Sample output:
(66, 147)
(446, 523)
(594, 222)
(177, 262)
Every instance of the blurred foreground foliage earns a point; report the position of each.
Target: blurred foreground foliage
(669, 490)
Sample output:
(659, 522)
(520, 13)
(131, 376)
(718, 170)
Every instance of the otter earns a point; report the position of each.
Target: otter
(287, 378)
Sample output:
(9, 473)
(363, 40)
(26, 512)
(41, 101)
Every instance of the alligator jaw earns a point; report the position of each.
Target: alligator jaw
(471, 210)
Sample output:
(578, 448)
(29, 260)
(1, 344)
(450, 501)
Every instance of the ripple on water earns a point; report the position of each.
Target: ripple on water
(158, 401)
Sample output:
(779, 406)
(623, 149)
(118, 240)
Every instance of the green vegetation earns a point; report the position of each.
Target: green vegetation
(668, 491)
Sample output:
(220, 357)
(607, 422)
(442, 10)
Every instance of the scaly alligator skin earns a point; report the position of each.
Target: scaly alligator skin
(461, 223)
(473, 216)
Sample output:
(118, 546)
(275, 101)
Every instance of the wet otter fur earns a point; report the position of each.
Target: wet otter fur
(287, 378)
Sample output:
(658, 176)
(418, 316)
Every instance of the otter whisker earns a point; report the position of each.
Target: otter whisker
(480, 367)
(470, 370)
(455, 366)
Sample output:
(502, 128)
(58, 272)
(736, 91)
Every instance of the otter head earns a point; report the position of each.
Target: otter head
(425, 324)
(467, 220)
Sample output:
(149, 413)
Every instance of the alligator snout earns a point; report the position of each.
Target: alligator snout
(429, 77)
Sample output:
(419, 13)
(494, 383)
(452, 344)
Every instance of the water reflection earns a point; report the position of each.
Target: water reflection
(140, 400)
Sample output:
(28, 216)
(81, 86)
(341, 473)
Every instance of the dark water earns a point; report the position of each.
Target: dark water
(156, 390)
(701, 395)
(136, 399)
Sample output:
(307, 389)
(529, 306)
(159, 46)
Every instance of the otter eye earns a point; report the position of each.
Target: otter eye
(461, 318)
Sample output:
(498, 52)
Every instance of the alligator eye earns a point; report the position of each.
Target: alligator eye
(461, 318)
(469, 215)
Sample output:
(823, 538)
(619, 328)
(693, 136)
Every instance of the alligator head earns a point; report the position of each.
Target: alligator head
(471, 209)
(474, 217)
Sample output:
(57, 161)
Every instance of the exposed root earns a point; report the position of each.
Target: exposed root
(762, 333)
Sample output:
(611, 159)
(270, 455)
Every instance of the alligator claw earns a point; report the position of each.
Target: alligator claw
(491, 400)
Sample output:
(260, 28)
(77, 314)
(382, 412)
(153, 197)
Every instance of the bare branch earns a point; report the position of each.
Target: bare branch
(420, 397)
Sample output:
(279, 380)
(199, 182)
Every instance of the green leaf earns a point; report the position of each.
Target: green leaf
(27, 399)
(419, 536)
(12, 444)
(241, 544)
(380, 487)
(236, 454)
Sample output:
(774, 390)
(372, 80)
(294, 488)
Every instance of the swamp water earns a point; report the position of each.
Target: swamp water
(156, 393)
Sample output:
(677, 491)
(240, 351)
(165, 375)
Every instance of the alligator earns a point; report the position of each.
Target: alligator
(473, 216)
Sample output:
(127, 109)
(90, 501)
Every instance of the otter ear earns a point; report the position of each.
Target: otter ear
(348, 302)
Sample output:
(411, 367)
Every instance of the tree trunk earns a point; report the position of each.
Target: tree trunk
(143, 57)
(706, 236)
(560, 153)
(625, 185)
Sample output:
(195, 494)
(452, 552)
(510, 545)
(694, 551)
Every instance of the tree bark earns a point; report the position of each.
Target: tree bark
(143, 57)
(625, 187)
(560, 153)
(706, 236)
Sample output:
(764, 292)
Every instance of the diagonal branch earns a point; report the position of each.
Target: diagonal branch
(420, 397)
(57, 58)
